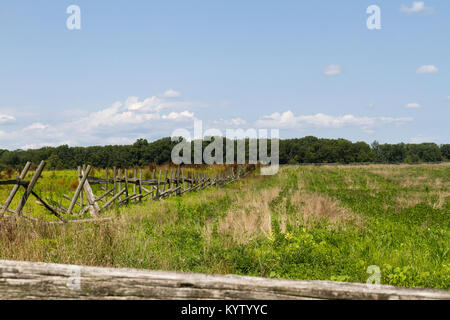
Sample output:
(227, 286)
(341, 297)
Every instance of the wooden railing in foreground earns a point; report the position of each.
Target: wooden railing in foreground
(37, 280)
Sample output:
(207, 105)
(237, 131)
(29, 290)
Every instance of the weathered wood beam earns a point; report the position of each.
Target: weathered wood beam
(37, 280)
(84, 176)
(140, 183)
(47, 206)
(13, 192)
(14, 182)
(82, 221)
(7, 210)
(104, 195)
(30, 187)
(65, 196)
(128, 198)
(94, 208)
(113, 199)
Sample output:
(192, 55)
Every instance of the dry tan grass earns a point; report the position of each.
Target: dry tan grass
(251, 216)
(399, 175)
(29, 241)
(409, 200)
(443, 197)
(314, 207)
(413, 181)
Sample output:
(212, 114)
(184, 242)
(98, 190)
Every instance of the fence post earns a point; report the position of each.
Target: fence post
(94, 208)
(157, 187)
(115, 183)
(106, 185)
(84, 175)
(119, 172)
(135, 181)
(182, 180)
(140, 184)
(30, 187)
(126, 186)
(153, 186)
(11, 196)
(80, 176)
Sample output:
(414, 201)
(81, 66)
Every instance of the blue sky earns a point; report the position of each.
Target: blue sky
(144, 68)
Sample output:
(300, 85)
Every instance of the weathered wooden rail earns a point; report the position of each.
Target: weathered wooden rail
(37, 280)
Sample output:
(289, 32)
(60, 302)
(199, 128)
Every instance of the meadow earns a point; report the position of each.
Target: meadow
(327, 223)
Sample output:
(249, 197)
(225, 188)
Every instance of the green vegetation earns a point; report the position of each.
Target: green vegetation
(328, 223)
(292, 151)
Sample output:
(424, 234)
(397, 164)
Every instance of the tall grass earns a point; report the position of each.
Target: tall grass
(327, 223)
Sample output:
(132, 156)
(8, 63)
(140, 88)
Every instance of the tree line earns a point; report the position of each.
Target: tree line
(291, 151)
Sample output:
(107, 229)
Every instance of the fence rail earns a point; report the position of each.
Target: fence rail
(37, 280)
(115, 190)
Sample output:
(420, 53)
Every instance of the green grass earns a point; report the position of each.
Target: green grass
(394, 217)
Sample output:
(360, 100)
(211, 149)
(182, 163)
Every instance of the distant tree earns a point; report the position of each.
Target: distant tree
(424, 152)
(445, 151)
(54, 162)
(300, 150)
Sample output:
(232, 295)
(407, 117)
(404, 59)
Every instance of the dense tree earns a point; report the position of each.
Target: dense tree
(293, 151)
(445, 151)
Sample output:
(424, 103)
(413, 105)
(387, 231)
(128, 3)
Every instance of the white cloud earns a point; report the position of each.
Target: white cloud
(417, 7)
(448, 98)
(412, 105)
(427, 69)
(36, 126)
(133, 112)
(122, 122)
(332, 70)
(4, 118)
(171, 94)
(151, 104)
(179, 116)
(234, 122)
(422, 139)
(39, 145)
(289, 120)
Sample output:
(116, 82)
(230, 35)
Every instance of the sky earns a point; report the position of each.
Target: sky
(142, 69)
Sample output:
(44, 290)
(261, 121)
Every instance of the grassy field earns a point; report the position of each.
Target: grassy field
(328, 223)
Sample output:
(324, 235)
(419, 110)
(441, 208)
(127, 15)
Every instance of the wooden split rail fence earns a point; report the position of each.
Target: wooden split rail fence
(115, 189)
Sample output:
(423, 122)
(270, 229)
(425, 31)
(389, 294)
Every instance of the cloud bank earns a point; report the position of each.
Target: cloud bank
(417, 7)
(120, 123)
(158, 116)
(332, 70)
(412, 105)
(4, 118)
(427, 69)
(289, 120)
